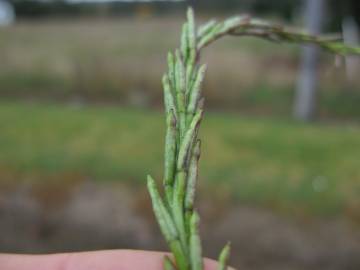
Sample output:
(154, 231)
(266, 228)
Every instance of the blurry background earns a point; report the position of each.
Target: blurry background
(81, 125)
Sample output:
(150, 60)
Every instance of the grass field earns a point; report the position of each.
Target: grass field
(270, 162)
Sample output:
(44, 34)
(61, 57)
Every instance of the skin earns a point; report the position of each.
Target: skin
(94, 260)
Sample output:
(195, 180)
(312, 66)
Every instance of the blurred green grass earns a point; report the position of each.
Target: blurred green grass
(270, 162)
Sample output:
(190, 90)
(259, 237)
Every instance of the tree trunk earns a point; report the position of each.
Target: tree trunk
(351, 37)
(306, 92)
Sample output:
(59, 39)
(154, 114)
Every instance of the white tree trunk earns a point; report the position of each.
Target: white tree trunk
(351, 37)
(306, 91)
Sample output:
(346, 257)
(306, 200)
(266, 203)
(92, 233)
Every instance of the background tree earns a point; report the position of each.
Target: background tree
(306, 91)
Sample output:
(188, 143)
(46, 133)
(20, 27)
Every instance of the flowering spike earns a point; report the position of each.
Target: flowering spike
(224, 257)
(184, 109)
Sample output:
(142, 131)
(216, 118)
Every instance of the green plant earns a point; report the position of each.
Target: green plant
(184, 104)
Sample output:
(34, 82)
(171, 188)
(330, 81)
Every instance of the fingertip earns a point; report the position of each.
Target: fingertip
(93, 260)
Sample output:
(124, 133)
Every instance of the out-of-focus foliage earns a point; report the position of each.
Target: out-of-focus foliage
(282, 8)
(35, 9)
(286, 9)
(339, 9)
(311, 168)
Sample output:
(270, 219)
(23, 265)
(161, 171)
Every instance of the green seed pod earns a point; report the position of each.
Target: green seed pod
(192, 177)
(340, 48)
(192, 50)
(182, 262)
(168, 264)
(230, 24)
(179, 73)
(191, 27)
(224, 257)
(169, 100)
(170, 155)
(221, 29)
(178, 206)
(191, 74)
(196, 259)
(180, 93)
(201, 103)
(163, 217)
(210, 36)
(185, 42)
(195, 93)
(171, 69)
(191, 37)
(188, 139)
(206, 28)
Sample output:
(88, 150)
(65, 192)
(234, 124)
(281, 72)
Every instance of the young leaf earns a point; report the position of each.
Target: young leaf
(195, 243)
(224, 257)
(168, 264)
(163, 217)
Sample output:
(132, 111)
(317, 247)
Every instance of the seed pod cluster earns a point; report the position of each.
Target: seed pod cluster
(183, 100)
(184, 111)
